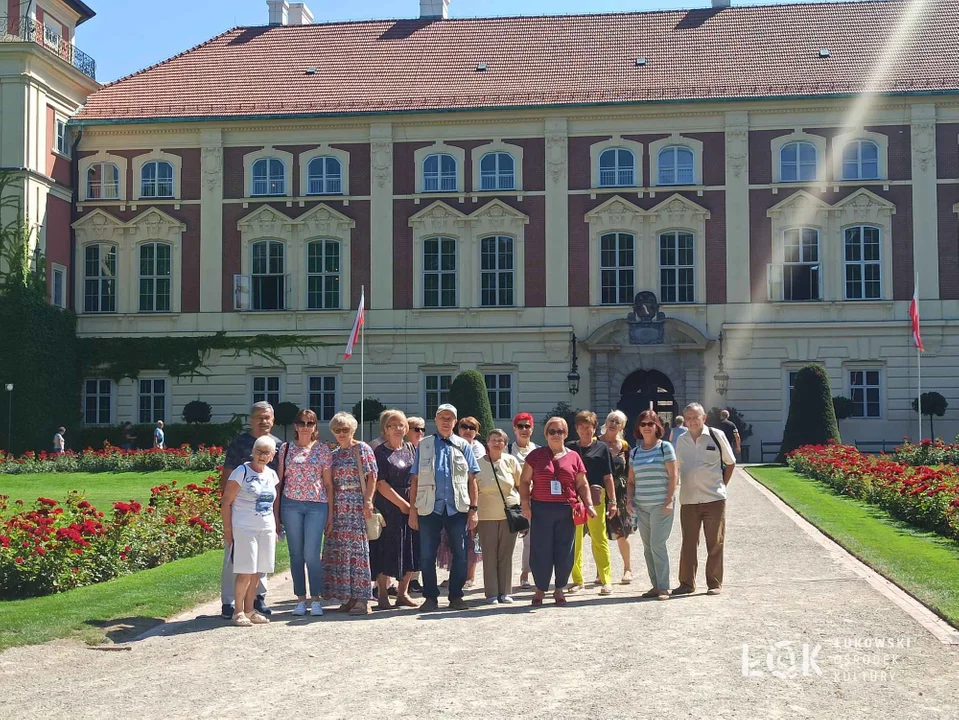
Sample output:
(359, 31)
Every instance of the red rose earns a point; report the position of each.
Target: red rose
(19, 561)
(40, 551)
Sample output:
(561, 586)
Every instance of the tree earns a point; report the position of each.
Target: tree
(469, 396)
(933, 404)
(812, 418)
(371, 412)
(197, 411)
(735, 417)
(285, 414)
(843, 407)
(564, 410)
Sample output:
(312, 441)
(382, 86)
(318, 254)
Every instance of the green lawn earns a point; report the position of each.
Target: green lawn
(118, 610)
(923, 563)
(101, 489)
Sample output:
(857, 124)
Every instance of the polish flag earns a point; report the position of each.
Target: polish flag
(357, 324)
(914, 316)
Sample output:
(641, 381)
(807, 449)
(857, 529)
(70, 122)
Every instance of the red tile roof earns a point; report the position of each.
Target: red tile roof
(419, 65)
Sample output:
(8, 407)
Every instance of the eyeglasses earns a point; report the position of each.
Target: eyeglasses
(469, 427)
(305, 423)
(417, 430)
(263, 453)
(556, 431)
(524, 427)
(647, 424)
(337, 431)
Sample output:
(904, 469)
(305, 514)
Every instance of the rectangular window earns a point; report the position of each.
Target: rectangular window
(676, 268)
(266, 387)
(58, 287)
(616, 265)
(155, 277)
(801, 271)
(496, 274)
(499, 387)
(863, 263)
(268, 280)
(100, 278)
(323, 275)
(322, 399)
(864, 391)
(152, 400)
(439, 273)
(97, 402)
(437, 392)
(63, 138)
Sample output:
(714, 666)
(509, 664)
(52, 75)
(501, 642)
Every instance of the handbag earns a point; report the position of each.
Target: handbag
(514, 514)
(596, 495)
(579, 512)
(376, 522)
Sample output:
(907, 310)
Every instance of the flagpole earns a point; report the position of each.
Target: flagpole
(919, 367)
(362, 369)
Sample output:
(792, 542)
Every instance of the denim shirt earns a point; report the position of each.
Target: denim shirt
(445, 502)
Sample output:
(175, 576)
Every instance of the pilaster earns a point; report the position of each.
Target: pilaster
(925, 225)
(557, 219)
(381, 217)
(211, 221)
(737, 198)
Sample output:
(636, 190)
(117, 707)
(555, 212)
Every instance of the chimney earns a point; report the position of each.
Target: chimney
(436, 9)
(279, 11)
(720, 3)
(300, 14)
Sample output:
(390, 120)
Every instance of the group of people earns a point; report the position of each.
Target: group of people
(129, 438)
(360, 514)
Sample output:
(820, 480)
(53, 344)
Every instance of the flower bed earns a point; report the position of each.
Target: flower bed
(928, 452)
(53, 547)
(925, 497)
(113, 459)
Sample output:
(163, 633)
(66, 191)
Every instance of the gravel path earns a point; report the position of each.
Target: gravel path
(793, 636)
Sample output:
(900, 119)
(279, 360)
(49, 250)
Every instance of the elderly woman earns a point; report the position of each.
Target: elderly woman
(619, 527)
(553, 477)
(346, 555)
(396, 552)
(417, 429)
(498, 486)
(249, 526)
(305, 469)
(651, 489)
(522, 446)
(599, 473)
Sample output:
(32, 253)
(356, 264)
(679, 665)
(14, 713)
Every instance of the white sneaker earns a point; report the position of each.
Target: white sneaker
(300, 608)
(505, 599)
(492, 601)
(315, 609)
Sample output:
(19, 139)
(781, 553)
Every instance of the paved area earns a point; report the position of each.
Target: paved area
(794, 635)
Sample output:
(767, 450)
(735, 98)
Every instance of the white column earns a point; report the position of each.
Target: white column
(211, 225)
(557, 219)
(381, 216)
(737, 208)
(925, 225)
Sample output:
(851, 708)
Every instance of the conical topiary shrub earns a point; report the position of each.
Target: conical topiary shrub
(812, 418)
(468, 395)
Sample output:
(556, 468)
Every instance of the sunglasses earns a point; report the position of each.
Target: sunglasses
(556, 431)
(524, 427)
(337, 431)
(647, 424)
(305, 423)
(469, 427)
(417, 429)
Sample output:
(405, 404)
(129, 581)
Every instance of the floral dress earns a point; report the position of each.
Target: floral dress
(346, 553)
(622, 525)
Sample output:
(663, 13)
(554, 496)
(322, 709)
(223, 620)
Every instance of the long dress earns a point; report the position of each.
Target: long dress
(622, 525)
(397, 551)
(346, 554)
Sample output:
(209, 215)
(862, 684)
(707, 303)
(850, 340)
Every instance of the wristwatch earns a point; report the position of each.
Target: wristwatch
(474, 508)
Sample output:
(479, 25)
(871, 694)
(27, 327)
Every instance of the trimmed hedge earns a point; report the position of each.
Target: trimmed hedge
(176, 434)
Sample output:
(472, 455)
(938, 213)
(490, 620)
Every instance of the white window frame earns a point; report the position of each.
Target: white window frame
(106, 190)
(446, 177)
(274, 182)
(499, 374)
(439, 148)
(153, 193)
(777, 145)
(56, 269)
(323, 181)
(283, 275)
(499, 178)
(675, 140)
(324, 150)
(62, 142)
(865, 387)
(324, 275)
(776, 274)
(620, 270)
(497, 146)
(83, 167)
(154, 277)
(323, 377)
(498, 273)
(100, 279)
(862, 263)
(268, 153)
(840, 142)
(596, 151)
(677, 267)
(438, 375)
(157, 156)
(799, 165)
(98, 394)
(265, 392)
(858, 174)
(672, 165)
(440, 273)
(165, 395)
(622, 174)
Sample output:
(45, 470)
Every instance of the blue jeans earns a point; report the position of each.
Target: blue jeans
(304, 523)
(431, 527)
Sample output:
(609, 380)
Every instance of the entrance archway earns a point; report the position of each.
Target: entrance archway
(645, 389)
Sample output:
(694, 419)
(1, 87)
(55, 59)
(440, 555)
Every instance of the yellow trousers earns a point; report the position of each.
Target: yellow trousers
(597, 533)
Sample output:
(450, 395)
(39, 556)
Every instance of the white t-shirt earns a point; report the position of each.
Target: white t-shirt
(520, 453)
(58, 442)
(253, 505)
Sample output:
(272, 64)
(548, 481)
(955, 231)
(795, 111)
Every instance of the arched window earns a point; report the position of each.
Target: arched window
(862, 257)
(439, 173)
(860, 160)
(676, 165)
(439, 272)
(797, 162)
(103, 181)
(617, 168)
(496, 171)
(156, 179)
(677, 267)
(155, 277)
(325, 176)
(269, 177)
(323, 275)
(268, 286)
(617, 268)
(100, 278)
(496, 271)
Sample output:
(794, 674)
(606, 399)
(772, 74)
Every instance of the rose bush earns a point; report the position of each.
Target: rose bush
(922, 496)
(928, 452)
(113, 459)
(51, 547)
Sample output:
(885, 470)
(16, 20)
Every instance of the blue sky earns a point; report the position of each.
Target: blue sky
(127, 36)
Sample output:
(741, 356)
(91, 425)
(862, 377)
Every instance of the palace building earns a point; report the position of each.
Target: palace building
(706, 200)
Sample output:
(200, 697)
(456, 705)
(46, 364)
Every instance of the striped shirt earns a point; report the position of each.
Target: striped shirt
(649, 469)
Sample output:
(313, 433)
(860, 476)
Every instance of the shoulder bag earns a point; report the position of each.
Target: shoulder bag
(514, 514)
(376, 522)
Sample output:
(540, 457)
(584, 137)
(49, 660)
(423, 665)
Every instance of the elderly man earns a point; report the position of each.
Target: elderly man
(239, 452)
(706, 463)
(445, 490)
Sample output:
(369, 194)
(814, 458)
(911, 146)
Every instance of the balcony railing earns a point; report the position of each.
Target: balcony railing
(29, 30)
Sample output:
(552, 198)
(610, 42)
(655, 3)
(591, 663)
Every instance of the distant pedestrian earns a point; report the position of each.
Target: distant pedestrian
(730, 431)
(679, 429)
(59, 444)
(159, 438)
(129, 437)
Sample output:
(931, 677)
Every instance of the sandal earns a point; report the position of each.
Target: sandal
(559, 597)
(241, 620)
(347, 606)
(360, 607)
(259, 619)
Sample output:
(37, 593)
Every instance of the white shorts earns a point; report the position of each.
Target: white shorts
(254, 551)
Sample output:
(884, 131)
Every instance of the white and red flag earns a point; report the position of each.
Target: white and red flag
(914, 316)
(357, 324)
